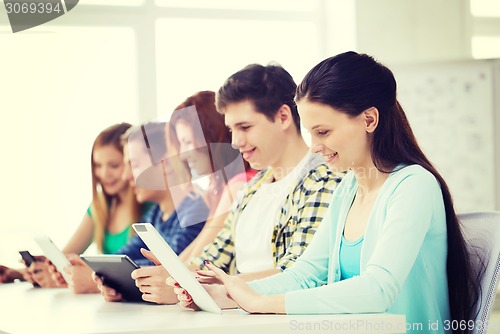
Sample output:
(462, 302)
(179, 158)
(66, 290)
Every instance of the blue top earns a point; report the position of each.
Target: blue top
(349, 257)
(179, 230)
(403, 258)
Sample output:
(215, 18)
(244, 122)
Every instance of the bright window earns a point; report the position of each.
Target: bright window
(276, 5)
(485, 47)
(485, 39)
(59, 90)
(485, 8)
(111, 2)
(209, 51)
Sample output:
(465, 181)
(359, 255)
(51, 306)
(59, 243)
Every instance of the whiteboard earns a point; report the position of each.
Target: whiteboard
(450, 107)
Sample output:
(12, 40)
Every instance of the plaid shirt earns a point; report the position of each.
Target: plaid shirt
(302, 211)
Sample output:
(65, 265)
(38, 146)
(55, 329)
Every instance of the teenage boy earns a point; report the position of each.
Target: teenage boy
(276, 216)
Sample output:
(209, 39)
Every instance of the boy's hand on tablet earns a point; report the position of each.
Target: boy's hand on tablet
(150, 256)
(151, 282)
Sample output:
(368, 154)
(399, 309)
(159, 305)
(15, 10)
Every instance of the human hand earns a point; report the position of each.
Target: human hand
(184, 298)
(27, 273)
(238, 291)
(8, 275)
(150, 256)
(38, 272)
(81, 276)
(56, 276)
(110, 294)
(216, 291)
(207, 277)
(151, 282)
(3, 274)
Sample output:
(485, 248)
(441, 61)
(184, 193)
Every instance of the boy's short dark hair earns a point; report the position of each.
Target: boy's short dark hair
(267, 87)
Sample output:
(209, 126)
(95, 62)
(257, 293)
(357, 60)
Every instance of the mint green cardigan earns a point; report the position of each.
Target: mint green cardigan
(403, 258)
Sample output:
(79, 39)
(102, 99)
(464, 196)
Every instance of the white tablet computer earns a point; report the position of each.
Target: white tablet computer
(54, 254)
(176, 267)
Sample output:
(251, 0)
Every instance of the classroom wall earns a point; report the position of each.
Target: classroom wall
(408, 31)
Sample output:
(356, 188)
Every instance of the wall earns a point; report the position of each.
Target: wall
(407, 31)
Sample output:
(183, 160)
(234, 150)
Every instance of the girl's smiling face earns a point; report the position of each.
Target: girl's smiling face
(343, 140)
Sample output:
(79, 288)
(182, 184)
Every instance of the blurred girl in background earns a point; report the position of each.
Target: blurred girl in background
(112, 211)
(199, 135)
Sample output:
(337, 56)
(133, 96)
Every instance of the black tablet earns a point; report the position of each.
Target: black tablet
(115, 272)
